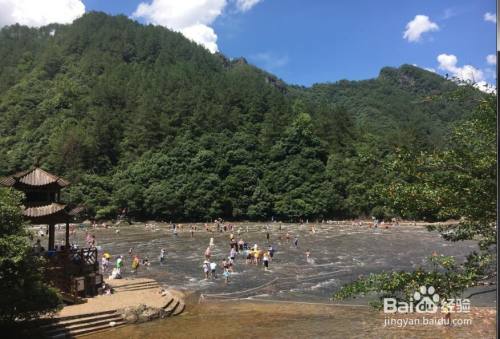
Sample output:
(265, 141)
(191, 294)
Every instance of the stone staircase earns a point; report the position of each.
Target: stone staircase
(136, 286)
(175, 306)
(83, 324)
(72, 326)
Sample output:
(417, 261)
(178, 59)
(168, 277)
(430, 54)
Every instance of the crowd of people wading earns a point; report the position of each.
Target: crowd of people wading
(239, 250)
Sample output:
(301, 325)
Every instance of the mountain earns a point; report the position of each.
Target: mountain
(140, 117)
(408, 104)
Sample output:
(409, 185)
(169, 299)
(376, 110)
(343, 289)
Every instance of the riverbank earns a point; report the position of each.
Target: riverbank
(132, 301)
(339, 254)
(127, 293)
(282, 319)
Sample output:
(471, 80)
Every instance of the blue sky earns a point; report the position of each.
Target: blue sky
(322, 41)
(310, 41)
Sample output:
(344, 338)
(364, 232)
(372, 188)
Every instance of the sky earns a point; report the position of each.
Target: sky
(310, 41)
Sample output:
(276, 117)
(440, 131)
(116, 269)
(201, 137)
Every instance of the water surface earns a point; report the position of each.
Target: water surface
(339, 254)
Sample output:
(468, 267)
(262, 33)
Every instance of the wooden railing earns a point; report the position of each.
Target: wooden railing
(62, 266)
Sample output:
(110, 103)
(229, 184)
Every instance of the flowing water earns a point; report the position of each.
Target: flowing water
(256, 319)
(339, 254)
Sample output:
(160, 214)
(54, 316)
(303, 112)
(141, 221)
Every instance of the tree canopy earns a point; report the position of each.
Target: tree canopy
(23, 293)
(456, 182)
(139, 117)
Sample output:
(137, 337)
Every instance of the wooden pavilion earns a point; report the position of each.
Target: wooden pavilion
(68, 269)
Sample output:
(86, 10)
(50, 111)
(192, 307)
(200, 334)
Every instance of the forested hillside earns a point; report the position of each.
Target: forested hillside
(140, 117)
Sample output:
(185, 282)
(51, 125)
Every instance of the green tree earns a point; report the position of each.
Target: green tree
(23, 293)
(296, 173)
(108, 100)
(458, 182)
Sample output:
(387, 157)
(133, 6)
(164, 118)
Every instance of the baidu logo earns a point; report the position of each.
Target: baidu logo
(425, 300)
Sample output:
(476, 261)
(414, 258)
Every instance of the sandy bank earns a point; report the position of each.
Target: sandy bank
(129, 292)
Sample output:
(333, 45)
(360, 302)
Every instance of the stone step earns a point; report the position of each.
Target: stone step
(170, 309)
(135, 285)
(170, 301)
(73, 321)
(137, 289)
(88, 330)
(85, 315)
(177, 301)
(98, 331)
(79, 326)
(179, 309)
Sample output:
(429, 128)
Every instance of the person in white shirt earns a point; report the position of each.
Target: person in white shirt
(265, 259)
(213, 267)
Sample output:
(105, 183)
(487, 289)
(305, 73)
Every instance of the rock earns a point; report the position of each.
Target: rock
(131, 318)
(225, 61)
(141, 313)
(149, 314)
(278, 84)
(239, 61)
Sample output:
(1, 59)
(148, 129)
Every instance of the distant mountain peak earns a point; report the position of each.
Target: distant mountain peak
(239, 61)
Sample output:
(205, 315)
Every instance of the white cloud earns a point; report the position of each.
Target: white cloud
(485, 87)
(449, 13)
(468, 73)
(491, 17)
(192, 18)
(36, 13)
(491, 59)
(202, 34)
(448, 62)
(270, 61)
(418, 26)
(245, 5)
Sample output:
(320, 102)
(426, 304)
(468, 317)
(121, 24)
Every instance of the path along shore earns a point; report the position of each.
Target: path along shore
(127, 293)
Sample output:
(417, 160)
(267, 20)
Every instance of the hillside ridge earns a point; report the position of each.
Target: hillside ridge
(139, 117)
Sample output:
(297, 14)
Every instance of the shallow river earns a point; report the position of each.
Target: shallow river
(264, 319)
(339, 254)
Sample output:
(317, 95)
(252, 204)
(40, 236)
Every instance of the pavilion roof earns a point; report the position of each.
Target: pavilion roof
(33, 177)
(76, 210)
(43, 211)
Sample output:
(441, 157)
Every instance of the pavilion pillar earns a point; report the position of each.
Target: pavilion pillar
(67, 235)
(52, 236)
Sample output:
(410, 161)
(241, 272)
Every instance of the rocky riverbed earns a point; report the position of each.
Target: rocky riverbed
(339, 253)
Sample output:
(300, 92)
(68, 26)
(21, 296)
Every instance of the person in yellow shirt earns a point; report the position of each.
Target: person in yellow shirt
(256, 254)
(135, 264)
